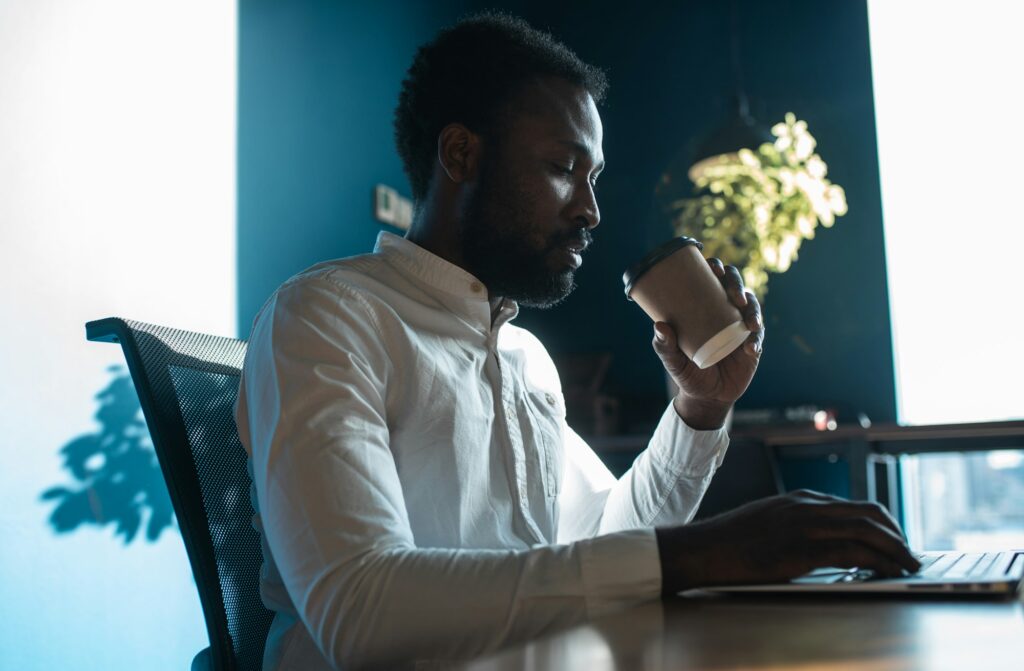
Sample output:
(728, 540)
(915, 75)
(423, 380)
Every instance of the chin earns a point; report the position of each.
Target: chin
(556, 290)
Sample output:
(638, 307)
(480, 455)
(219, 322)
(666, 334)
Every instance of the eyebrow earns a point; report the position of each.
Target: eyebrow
(582, 149)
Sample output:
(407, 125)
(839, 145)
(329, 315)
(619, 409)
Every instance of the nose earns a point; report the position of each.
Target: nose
(586, 212)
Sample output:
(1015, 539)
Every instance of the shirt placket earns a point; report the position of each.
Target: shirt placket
(516, 452)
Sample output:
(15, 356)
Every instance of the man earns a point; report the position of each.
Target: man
(421, 496)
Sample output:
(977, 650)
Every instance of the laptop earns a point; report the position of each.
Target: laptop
(950, 572)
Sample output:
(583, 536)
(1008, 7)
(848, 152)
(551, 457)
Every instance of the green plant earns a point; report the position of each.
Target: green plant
(754, 208)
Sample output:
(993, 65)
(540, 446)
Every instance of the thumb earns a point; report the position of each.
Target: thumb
(666, 344)
(663, 332)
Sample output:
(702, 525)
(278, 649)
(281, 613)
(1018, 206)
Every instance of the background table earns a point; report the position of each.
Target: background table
(805, 632)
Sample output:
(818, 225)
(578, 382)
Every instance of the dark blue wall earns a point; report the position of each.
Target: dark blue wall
(318, 83)
(828, 339)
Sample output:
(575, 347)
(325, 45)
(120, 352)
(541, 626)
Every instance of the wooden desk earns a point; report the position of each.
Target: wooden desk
(784, 633)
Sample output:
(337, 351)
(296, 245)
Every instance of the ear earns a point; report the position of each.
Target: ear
(458, 152)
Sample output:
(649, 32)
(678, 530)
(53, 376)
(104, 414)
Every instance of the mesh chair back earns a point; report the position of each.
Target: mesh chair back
(187, 385)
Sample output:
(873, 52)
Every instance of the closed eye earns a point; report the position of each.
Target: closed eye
(568, 170)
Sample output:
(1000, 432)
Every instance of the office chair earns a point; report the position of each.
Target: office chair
(187, 384)
(750, 472)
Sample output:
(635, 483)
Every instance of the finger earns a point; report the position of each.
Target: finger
(752, 318)
(837, 508)
(753, 345)
(812, 494)
(733, 283)
(854, 554)
(666, 345)
(870, 533)
(881, 515)
(841, 514)
(843, 508)
(717, 267)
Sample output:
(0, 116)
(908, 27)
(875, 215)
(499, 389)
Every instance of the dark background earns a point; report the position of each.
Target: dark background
(319, 82)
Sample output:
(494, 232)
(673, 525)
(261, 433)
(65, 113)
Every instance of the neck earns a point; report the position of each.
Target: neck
(440, 236)
(436, 230)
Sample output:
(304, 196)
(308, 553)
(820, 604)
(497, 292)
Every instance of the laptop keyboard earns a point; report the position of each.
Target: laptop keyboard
(959, 565)
(953, 567)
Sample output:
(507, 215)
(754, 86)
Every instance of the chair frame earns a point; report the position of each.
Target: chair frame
(171, 444)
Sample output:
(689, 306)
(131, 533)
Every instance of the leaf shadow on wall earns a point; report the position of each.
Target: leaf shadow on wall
(118, 481)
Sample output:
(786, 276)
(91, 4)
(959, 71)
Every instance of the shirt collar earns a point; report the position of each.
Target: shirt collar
(441, 274)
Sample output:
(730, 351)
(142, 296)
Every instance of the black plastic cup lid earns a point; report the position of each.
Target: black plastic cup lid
(630, 277)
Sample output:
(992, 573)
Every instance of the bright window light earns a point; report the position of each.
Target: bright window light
(117, 198)
(948, 101)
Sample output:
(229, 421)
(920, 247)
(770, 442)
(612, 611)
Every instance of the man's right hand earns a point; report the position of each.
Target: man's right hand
(779, 538)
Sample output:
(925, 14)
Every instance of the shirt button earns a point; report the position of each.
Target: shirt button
(549, 398)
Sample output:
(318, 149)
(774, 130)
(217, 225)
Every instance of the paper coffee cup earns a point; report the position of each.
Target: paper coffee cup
(675, 284)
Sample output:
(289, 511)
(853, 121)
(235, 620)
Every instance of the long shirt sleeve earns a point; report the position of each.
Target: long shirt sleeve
(664, 485)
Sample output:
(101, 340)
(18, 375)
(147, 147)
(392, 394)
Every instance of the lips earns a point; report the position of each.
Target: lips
(577, 247)
(574, 253)
(573, 248)
(573, 258)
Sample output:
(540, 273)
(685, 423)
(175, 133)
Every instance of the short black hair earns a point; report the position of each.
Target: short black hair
(467, 75)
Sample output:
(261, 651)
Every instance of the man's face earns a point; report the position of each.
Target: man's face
(528, 219)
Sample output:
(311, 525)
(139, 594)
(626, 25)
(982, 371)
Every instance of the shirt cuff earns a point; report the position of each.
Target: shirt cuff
(685, 451)
(620, 570)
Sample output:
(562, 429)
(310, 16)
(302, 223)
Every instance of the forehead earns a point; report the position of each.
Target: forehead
(557, 112)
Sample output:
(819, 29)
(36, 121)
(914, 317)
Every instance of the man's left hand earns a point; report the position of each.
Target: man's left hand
(705, 396)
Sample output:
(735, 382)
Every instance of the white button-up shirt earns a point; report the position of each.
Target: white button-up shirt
(419, 493)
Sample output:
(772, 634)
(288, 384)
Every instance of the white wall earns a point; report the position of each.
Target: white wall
(117, 197)
(948, 101)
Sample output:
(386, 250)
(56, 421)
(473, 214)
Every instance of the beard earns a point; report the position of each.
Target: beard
(507, 251)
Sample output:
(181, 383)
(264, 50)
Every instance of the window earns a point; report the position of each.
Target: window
(950, 144)
(947, 106)
(967, 501)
